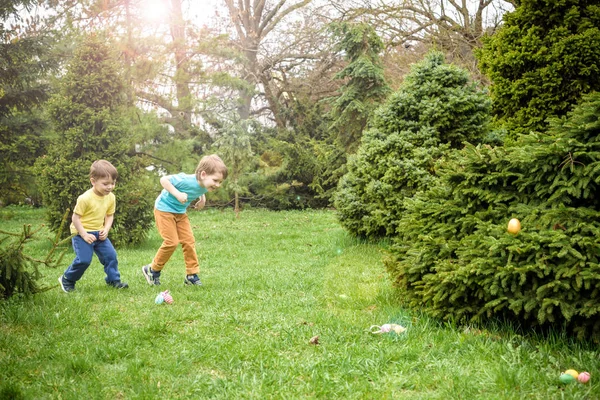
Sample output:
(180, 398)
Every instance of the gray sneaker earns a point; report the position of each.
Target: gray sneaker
(118, 284)
(153, 277)
(192, 280)
(65, 284)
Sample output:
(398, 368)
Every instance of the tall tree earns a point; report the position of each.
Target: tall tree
(23, 58)
(168, 64)
(91, 122)
(235, 147)
(154, 45)
(254, 22)
(364, 86)
(454, 27)
(25, 61)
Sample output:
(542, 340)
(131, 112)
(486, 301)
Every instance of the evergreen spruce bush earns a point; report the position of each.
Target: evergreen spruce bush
(19, 272)
(91, 122)
(542, 60)
(437, 107)
(454, 256)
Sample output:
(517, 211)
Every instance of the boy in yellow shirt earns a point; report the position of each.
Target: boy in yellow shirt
(92, 219)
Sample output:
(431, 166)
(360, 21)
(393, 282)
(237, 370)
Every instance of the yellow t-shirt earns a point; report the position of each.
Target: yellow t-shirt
(92, 210)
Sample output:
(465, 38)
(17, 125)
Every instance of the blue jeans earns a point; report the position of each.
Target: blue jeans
(83, 258)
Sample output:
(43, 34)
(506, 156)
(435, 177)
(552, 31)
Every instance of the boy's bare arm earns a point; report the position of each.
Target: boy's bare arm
(200, 203)
(108, 221)
(166, 183)
(88, 237)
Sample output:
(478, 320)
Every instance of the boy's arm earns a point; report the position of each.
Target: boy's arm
(200, 203)
(166, 183)
(108, 221)
(88, 237)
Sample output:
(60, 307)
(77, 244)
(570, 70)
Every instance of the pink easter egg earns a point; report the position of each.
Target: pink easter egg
(583, 377)
(168, 298)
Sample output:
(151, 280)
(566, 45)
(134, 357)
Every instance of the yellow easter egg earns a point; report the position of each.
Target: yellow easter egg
(514, 226)
(572, 372)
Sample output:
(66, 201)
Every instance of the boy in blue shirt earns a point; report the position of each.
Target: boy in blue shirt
(172, 221)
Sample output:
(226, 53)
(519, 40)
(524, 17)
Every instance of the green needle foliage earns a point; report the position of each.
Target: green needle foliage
(438, 107)
(90, 118)
(455, 256)
(19, 270)
(365, 86)
(542, 61)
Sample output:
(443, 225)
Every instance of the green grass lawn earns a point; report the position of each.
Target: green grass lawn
(272, 281)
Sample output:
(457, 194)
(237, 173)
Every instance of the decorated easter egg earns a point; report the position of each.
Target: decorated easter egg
(167, 296)
(572, 372)
(159, 299)
(514, 226)
(398, 328)
(566, 378)
(583, 377)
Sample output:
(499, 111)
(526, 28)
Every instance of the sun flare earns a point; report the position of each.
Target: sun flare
(155, 10)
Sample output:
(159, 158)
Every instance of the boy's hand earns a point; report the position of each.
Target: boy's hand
(200, 203)
(103, 234)
(182, 197)
(89, 238)
(166, 183)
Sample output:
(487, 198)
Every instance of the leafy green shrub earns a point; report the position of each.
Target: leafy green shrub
(298, 167)
(286, 186)
(454, 256)
(436, 108)
(134, 213)
(286, 175)
(90, 122)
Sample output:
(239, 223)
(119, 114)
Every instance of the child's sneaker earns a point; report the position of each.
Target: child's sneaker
(118, 284)
(66, 285)
(153, 277)
(192, 280)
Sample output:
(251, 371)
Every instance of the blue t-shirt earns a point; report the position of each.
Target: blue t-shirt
(185, 183)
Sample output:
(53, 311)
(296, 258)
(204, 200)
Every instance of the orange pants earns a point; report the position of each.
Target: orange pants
(175, 229)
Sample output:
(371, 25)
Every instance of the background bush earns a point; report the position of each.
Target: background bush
(436, 108)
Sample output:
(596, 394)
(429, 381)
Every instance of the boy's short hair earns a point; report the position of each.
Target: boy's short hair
(211, 164)
(103, 169)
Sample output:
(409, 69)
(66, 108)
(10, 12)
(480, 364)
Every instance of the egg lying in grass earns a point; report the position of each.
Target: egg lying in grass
(583, 377)
(566, 378)
(167, 297)
(572, 372)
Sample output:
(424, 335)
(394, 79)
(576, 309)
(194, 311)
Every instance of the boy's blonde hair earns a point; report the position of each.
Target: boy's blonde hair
(211, 164)
(103, 169)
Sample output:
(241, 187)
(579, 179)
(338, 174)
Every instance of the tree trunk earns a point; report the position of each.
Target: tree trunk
(182, 67)
(237, 205)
